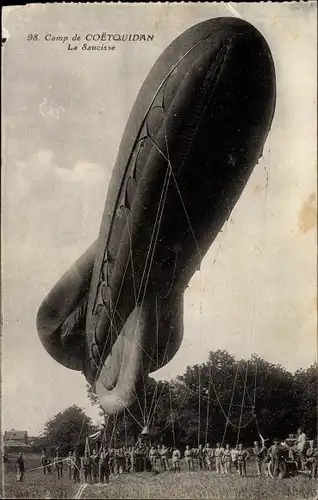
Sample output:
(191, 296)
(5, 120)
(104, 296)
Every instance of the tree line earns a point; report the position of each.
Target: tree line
(223, 399)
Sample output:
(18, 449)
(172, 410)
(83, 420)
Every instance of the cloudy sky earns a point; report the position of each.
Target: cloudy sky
(64, 113)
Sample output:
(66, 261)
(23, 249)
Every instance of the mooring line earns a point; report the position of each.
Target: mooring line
(81, 490)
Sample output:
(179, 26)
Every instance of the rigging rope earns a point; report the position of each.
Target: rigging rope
(125, 424)
(172, 418)
(208, 409)
(231, 404)
(243, 400)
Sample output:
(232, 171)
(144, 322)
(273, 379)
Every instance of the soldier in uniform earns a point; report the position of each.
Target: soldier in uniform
(20, 468)
(120, 461)
(152, 458)
(104, 469)
(44, 462)
(311, 457)
(227, 459)
(138, 455)
(147, 464)
(158, 459)
(69, 464)
(164, 457)
(142, 458)
(301, 446)
(95, 463)
(208, 456)
(48, 466)
(242, 457)
(218, 453)
(112, 460)
(76, 467)
(58, 465)
(188, 455)
(87, 467)
(273, 455)
(176, 456)
(234, 455)
(258, 453)
(201, 457)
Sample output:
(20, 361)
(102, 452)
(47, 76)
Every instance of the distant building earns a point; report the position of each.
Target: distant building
(19, 437)
(16, 441)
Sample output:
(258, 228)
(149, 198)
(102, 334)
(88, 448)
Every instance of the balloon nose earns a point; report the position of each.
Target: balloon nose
(149, 339)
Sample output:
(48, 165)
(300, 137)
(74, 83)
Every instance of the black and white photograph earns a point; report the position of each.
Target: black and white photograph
(159, 251)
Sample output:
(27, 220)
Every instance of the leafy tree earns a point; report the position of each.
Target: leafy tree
(68, 430)
(306, 393)
(222, 399)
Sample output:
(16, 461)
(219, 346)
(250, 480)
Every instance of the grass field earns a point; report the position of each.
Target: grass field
(35, 484)
(203, 485)
(189, 485)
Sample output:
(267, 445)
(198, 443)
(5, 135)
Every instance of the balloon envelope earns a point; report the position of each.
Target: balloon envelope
(195, 133)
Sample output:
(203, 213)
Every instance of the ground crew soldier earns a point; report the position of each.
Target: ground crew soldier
(44, 461)
(76, 467)
(273, 454)
(242, 457)
(112, 460)
(120, 461)
(188, 455)
(201, 457)
(218, 453)
(104, 469)
(176, 455)
(164, 457)
(48, 466)
(258, 453)
(158, 458)
(101, 466)
(301, 446)
(234, 455)
(138, 455)
(141, 458)
(95, 462)
(227, 459)
(58, 465)
(310, 457)
(152, 458)
(147, 465)
(208, 456)
(20, 468)
(87, 468)
(106, 465)
(69, 464)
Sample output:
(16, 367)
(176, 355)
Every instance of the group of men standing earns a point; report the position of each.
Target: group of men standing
(73, 464)
(98, 466)
(221, 459)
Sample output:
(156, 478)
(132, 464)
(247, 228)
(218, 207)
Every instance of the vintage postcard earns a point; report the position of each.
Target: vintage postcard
(159, 225)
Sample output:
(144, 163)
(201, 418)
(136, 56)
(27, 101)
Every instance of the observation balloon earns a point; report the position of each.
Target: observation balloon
(194, 135)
